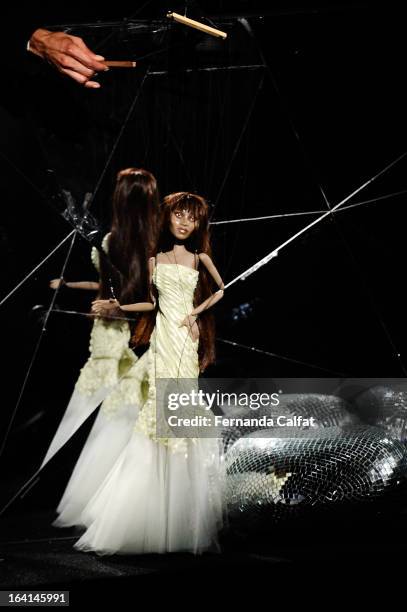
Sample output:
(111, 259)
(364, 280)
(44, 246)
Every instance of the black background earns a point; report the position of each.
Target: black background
(324, 114)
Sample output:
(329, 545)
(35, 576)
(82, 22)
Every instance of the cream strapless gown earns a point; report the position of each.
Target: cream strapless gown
(161, 494)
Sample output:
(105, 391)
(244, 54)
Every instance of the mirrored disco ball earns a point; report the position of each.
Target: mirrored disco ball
(327, 410)
(270, 479)
(384, 407)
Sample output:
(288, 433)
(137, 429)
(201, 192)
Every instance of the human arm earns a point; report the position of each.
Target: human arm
(68, 54)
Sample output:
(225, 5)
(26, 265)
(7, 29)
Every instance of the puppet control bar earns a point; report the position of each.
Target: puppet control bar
(181, 19)
(196, 24)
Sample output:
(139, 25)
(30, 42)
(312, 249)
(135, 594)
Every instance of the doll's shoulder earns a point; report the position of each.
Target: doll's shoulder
(152, 265)
(204, 257)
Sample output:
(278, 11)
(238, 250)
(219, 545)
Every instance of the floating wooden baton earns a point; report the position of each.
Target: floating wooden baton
(197, 25)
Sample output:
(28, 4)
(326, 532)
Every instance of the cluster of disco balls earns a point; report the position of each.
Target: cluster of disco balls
(356, 457)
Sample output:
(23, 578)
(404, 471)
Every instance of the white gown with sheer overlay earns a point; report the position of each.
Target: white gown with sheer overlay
(161, 494)
(104, 379)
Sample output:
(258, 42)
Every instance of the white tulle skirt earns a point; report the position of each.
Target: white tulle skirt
(156, 501)
(107, 438)
(79, 409)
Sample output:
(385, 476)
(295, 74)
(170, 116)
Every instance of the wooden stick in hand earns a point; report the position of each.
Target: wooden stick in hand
(116, 64)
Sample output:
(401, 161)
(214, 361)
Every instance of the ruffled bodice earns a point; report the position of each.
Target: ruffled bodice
(176, 285)
(175, 353)
(110, 357)
(172, 353)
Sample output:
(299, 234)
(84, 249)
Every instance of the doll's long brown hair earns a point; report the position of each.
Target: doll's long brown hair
(133, 237)
(198, 242)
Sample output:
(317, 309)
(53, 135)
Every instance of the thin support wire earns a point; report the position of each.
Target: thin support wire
(33, 480)
(116, 143)
(37, 267)
(238, 142)
(311, 167)
(262, 218)
(281, 357)
(110, 157)
(311, 212)
(37, 347)
(90, 315)
(275, 251)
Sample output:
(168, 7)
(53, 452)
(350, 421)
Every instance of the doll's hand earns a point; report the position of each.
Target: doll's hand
(56, 283)
(192, 325)
(101, 307)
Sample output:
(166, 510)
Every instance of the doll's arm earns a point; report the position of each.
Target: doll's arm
(151, 268)
(98, 306)
(101, 307)
(190, 320)
(218, 295)
(210, 301)
(210, 266)
(55, 283)
(215, 297)
(138, 307)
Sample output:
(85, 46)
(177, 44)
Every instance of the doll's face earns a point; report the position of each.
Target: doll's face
(182, 224)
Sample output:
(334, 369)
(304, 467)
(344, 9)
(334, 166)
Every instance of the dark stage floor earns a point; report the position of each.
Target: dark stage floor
(36, 556)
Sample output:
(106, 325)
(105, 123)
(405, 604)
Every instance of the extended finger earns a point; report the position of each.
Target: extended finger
(69, 63)
(92, 85)
(79, 78)
(94, 56)
(85, 57)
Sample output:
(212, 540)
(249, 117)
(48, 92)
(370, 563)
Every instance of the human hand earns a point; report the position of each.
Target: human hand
(101, 307)
(192, 325)
(69, 55)
(56, 283)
